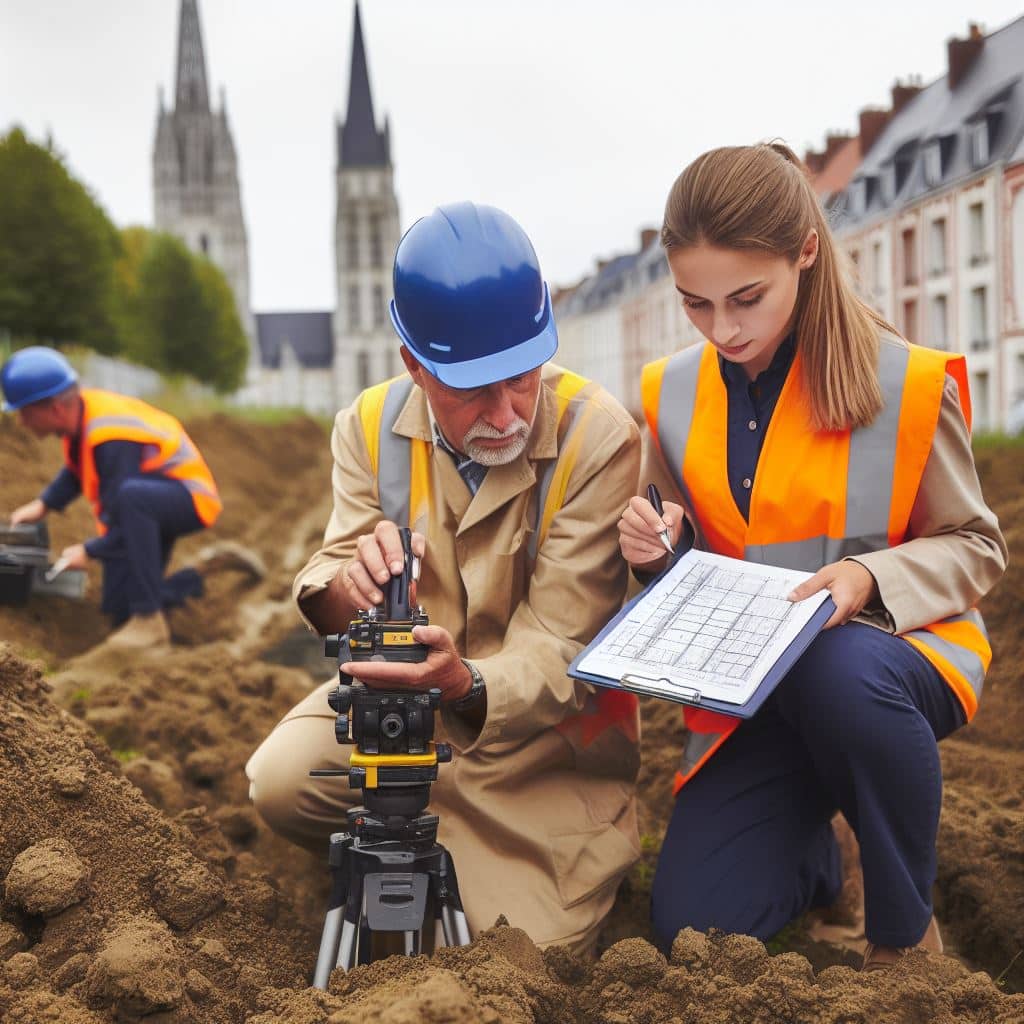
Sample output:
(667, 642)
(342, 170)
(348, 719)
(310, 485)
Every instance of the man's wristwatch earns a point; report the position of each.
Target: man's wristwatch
(476, 692)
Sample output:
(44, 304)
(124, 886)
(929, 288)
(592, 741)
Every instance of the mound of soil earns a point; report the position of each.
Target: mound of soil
(109, 908)
(137, 880)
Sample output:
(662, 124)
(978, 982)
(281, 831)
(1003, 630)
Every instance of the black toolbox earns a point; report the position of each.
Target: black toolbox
(24, 554)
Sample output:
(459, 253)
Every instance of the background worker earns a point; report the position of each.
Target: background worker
(140, 471)
(805, 433)
(512, 472)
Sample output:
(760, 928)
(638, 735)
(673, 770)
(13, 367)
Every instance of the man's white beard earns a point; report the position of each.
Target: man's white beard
(519, 431)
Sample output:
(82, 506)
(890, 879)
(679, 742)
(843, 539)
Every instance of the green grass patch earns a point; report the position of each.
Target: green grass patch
(990, 440)
(81, 695)
(126, 754)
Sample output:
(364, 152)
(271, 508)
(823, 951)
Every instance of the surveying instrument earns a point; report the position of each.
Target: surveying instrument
(388, 866)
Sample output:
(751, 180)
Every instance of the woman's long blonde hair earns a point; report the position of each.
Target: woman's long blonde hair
(759, 198)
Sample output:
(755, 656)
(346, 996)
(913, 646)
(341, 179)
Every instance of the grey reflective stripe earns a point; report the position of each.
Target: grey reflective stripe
(570, 418)
(872, 465)
(964, 660)
(123, 421)
(198, 487)
(182, 454)
(394, 456)
(811, 554)
(676, 401)
(696, 746)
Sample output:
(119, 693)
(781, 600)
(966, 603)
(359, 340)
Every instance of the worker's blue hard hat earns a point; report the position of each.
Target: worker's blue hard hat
(470, 302)
(34, 373)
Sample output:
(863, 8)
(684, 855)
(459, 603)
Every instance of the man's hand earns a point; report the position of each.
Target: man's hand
(443, 668)
(30, 512)
(850, 585)
(76, 556)
(379, 556)
(639, 526)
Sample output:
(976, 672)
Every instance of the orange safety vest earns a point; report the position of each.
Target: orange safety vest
(167, 449)
(402, 467)
(817, 498)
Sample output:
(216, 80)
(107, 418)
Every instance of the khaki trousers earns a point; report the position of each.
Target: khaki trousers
(501, 829)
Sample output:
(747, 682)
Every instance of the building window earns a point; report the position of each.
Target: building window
(976, 234)
(877, 277)
(910, 320)
(979, 143)
(981, 400)
(376, 249)
(363, 370)
(354, 319)
(979, 319)
(378, 306)
(910, 256)
(938, 334)
(937, 247)
(933, 162)
(351, 242)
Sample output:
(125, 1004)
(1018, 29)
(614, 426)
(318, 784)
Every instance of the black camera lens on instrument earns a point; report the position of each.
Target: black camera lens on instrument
(392, 725)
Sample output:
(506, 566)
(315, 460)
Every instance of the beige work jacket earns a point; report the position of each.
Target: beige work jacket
(529, 791)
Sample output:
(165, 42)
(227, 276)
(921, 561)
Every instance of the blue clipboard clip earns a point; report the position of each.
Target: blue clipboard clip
(635, 682)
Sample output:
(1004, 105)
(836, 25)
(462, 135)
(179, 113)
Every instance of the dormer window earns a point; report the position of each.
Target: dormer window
(979, 142)
(888, 183)
(933, 162)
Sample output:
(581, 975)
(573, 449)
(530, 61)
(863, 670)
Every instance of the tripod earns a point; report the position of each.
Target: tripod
(383, 875)
(389, 865)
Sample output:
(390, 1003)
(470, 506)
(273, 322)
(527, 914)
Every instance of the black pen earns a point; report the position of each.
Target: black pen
(654, 497)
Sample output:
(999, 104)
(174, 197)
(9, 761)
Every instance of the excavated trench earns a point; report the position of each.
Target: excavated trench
(138, 883)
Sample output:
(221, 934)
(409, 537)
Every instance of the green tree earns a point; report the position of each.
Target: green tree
(57, 251)
(185, 316)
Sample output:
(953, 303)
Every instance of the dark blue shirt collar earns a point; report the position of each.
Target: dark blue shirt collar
(735, 376)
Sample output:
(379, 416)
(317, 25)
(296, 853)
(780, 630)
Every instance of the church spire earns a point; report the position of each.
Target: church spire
(191, 92)
(360, 144)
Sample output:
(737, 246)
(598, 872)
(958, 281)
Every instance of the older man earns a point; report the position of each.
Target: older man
(512, 472)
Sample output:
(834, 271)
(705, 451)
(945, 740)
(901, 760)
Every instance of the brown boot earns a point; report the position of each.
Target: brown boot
(141, 632)
(881, 958)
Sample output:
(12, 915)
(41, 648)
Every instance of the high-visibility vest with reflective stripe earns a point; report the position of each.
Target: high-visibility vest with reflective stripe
(401, 466)
(818, 497)
(167, 449)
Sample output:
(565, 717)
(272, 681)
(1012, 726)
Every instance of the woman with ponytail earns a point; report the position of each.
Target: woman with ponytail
(806, 433)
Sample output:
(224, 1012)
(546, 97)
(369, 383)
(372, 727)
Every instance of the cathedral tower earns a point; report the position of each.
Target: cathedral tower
(195, 172)
(366, 236)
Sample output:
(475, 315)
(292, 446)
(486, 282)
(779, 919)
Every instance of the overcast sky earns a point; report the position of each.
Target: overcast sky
(574, 116)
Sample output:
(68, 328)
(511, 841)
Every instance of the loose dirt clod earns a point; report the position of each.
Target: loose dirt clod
(46, 878)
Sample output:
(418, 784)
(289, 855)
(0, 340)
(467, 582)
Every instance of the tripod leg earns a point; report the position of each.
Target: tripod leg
(328, 955)
(350, 925)
(453, 917)
(412, 943)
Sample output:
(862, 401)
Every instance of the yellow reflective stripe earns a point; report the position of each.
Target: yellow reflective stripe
(569, 385)
(567, 388)
(419, 481)
(371, 406)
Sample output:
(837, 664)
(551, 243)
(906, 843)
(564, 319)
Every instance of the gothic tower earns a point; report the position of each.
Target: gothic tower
(195, 172)
(366, 236)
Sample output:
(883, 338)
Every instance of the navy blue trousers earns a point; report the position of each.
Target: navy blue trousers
(854, 726)
(147, 516)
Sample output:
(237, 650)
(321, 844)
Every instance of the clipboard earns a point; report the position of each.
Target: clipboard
(691, 696)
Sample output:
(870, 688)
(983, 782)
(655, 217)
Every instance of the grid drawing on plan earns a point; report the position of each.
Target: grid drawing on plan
(713, 620)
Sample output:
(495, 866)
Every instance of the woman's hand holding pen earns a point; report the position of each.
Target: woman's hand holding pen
(639, 529)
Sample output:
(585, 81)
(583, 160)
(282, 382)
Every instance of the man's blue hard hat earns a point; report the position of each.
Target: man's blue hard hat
(470, 302)
(34, 373)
